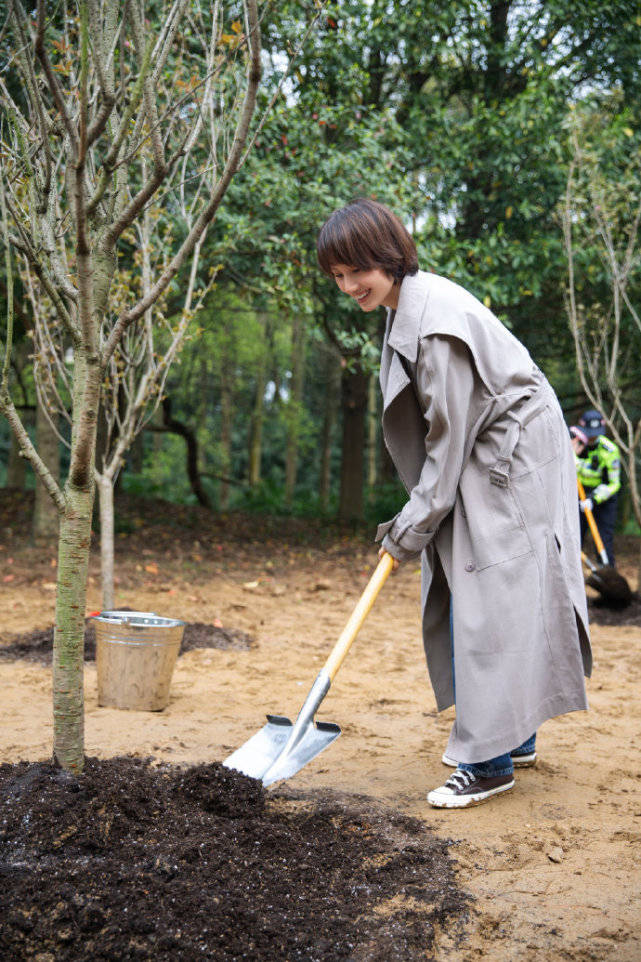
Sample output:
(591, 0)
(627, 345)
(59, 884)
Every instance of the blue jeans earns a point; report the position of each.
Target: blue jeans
(502, 764)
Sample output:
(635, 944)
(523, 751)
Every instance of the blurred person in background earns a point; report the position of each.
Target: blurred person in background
(598, 467)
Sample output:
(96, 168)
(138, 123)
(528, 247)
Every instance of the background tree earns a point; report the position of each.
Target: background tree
(601, 217)
(454, 116)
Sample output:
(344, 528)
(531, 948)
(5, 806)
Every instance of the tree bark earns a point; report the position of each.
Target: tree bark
(68, 648)
(332, 381)
(74, 545)
(137, 454)
(294, 407)
(46, 519)
(256, 426)
(16, 468)
(106, 503)
(354, 404)
(226, 406)
(171, 425)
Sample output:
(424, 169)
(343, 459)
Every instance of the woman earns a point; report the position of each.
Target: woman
(478, 439)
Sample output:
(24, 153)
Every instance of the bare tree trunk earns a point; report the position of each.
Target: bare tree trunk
(294, 406)
(354, 398)
(225, 435)
(332, 381)
(256, 430)
(73, 564)
(372, 395)
(91, 152)
(46, 518)
(172, 426)
(137, 454)
(256, 427)
(387, 473)
(68, 650)
(16, 469)
(106, 503)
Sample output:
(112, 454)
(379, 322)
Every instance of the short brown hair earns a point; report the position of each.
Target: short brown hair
(367, 235)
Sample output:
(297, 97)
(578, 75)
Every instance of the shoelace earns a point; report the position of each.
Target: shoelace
(460, 780)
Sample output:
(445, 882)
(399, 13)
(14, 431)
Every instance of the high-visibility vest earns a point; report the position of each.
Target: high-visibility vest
(599, 469)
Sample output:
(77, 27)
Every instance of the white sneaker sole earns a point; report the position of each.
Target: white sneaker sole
(519, 761)
(438, 799)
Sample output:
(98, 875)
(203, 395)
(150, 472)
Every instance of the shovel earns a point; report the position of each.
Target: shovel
(280, 748)
(607, 581)
(612, 586)
(593, 528)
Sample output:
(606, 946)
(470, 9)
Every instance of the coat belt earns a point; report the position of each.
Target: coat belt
(529, 409)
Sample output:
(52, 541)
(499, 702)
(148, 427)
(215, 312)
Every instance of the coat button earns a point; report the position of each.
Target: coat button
(470, 566)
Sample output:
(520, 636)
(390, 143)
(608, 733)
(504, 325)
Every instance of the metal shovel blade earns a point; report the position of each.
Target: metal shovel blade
(269, 756)
(281, 749)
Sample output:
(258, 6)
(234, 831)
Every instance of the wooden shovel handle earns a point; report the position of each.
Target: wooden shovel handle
(358, 616)
(593, 528)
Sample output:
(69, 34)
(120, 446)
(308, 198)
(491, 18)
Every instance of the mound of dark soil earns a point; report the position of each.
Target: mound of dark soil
(602, 613)
(37, 645)
(135, 862)
(200, 635)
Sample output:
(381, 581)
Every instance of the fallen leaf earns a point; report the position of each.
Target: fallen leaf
(251, 584)
(49, 585)
(8, 578)
(152, 568)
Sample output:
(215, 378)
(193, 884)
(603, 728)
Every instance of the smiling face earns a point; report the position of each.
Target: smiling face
(369, 288)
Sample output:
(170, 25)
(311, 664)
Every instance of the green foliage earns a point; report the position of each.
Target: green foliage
(453, 114)
(601, 217)
(632, 527)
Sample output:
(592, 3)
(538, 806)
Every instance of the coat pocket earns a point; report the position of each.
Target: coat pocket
(497, 528)
(503, 545)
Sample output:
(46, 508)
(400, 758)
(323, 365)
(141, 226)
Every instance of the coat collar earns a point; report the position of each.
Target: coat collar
(406, 323)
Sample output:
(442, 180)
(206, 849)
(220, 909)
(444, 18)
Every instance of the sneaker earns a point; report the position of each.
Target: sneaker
(463, 789)
(527, 760)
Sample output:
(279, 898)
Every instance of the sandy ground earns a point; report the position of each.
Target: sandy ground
(554, 865)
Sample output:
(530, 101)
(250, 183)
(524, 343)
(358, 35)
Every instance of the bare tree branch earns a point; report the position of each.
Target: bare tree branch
(52, 80)
(240, 135)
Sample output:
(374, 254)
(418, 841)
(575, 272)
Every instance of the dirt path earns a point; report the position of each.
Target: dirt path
(554, 865)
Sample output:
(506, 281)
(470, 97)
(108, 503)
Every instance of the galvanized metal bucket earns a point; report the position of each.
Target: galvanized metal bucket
(136, 653)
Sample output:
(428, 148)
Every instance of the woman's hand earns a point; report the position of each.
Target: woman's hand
(382, 551)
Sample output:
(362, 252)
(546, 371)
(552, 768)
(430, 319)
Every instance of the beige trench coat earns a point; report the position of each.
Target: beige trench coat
(478, 438)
